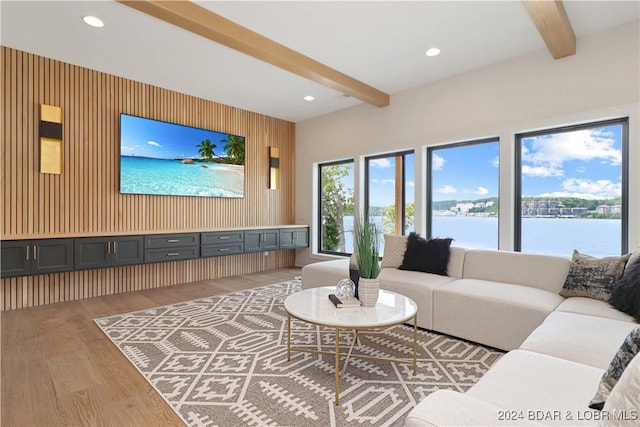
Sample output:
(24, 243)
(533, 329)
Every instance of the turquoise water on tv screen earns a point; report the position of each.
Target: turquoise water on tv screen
(141, 175)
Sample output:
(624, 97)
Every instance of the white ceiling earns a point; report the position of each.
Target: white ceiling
(379, 43)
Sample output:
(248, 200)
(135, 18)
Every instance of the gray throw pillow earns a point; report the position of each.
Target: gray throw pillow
(593, 277)
(627, 351)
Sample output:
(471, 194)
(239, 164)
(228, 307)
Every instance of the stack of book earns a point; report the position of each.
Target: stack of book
(344, 302)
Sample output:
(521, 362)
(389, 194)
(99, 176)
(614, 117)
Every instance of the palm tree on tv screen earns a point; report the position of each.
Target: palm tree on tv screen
(235, 148)
(206, 149)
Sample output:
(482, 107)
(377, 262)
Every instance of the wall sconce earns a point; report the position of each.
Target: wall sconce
(50, 139)
(274, 168)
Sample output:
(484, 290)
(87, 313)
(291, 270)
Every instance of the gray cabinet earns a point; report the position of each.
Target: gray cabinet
(39, 256)
(293, 238)
(171, 247)
(101, 252)
(261, 240)
(24, 257)
(221, 243)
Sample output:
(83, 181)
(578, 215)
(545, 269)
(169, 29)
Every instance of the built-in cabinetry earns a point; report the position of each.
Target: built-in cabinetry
(293, 238)
(102, 252)
(171, 247)
(261, 240)
(220, 243)
(26, 257)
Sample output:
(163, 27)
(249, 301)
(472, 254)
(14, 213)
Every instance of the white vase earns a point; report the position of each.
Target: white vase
(368, 290)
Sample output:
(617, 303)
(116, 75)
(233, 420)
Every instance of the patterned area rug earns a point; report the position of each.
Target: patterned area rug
(222, 361)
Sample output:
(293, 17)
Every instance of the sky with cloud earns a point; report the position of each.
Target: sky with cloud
(161, 140)
(582, 163)
(382, 180)
(466, 172)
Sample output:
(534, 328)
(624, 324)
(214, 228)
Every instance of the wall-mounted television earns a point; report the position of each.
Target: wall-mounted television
(164, 158)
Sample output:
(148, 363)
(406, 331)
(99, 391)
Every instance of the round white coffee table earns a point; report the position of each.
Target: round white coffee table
(313, 306)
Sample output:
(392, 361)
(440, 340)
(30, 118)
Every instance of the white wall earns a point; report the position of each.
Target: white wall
(530, 92)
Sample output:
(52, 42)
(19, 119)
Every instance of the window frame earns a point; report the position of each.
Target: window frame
(429, 186)
(319, 200)
(517, 214)
(367, 162)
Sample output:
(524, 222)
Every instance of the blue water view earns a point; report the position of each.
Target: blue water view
(141, 175)
(550, 236)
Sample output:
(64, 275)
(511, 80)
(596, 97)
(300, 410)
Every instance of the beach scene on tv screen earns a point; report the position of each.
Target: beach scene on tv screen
(170, 159)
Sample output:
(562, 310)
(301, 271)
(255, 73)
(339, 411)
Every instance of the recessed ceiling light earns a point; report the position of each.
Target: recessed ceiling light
(308, 98)
(93, 21)
(434, 51)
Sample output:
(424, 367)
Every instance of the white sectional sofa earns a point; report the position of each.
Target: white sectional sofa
(558, 348)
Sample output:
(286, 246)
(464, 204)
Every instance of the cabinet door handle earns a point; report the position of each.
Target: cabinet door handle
(173, 254)
(224, 249)
(173, 240)
(108, 248)
(223, 237)
(35, 252)
(115, 247)
(28, 249)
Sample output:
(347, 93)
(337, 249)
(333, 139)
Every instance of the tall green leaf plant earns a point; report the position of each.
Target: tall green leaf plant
(367, 241)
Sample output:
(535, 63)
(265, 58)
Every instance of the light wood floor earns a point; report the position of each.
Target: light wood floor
(59, 369)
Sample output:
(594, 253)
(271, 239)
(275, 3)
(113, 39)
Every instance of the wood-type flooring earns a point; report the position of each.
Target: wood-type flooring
(59, 369)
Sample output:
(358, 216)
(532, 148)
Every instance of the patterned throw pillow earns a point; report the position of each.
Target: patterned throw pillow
(624, 397)
(593, 277)
(627, 351)
(394, 249)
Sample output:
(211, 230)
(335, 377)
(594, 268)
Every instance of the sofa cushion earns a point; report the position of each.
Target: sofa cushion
(394, 249)
(325, 273)
(428, 256)
(626, 352)
(456, 262)
(584, 339)
(526, 381)
(450, 408)
(501, 315)
(417, 286)
(593, 277)
(626, 294)
(592, 307)
(537, 271)
(623, 400)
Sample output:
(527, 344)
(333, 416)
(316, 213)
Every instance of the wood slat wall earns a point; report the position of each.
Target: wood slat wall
(85, 198)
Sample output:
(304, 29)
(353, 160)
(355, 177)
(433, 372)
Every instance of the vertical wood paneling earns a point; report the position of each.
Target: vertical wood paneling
(85, 199)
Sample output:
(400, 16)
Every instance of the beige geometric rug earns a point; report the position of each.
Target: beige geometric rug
(222, 361)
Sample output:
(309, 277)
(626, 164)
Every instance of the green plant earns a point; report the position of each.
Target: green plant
(205, 148)
(366, 239)
(337, 202)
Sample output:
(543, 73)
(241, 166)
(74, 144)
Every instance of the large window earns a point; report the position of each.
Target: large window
(389, 194)
(335, 216)
(462, 198)
(572, 190)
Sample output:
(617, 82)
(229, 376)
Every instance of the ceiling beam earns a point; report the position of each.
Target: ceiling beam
(201, 21)
(550, 17)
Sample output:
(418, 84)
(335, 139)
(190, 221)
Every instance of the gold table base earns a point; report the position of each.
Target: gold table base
(337, 353)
